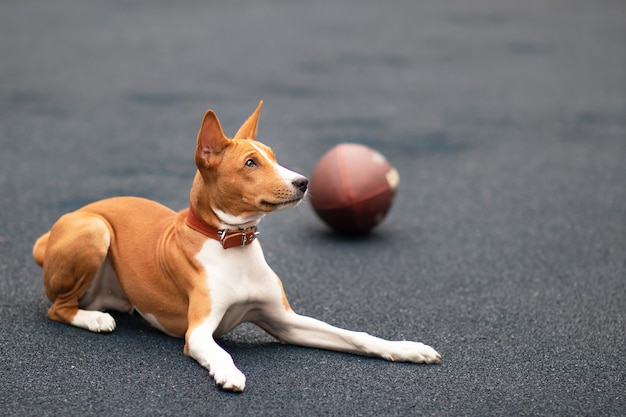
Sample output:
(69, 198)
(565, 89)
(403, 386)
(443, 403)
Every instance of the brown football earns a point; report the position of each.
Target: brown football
(352, 188)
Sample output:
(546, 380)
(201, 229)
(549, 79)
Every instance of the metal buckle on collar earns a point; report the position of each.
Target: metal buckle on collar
(252, 237)
(247, 237)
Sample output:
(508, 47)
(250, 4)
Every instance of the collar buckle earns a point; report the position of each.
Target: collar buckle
(227, 238)
(233, 238)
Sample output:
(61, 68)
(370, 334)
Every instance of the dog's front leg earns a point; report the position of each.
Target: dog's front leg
(201, 346)
(300, 330)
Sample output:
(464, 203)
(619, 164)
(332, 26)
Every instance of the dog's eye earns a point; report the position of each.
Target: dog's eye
(250, 163)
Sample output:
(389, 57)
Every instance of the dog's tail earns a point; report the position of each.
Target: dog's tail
(39, 249)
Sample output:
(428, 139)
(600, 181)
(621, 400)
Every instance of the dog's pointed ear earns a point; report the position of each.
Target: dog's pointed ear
(248, 129)
(211, 139)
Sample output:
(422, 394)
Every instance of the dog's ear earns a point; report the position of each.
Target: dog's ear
(248, 129)
(211, 139)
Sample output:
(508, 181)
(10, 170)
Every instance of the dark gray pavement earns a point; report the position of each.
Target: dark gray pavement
(505, 249)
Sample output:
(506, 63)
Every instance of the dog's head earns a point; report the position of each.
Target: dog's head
(239, 179)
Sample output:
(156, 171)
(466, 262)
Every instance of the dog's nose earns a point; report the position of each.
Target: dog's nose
(301, 183)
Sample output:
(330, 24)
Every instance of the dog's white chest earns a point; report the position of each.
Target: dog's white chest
(239, 281)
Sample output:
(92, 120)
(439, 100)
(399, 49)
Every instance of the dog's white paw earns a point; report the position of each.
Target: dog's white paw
(228, 378)
(95, 321)
(404, 351)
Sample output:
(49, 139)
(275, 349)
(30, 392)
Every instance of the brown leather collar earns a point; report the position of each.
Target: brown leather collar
(227, 238)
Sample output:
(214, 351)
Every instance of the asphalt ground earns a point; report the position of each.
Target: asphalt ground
(505, 248)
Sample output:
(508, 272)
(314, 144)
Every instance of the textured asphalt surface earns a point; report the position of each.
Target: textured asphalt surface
(505, 249)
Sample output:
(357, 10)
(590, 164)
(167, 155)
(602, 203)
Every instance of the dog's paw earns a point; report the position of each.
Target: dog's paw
(414, 352)
(228, 378)
(95, 321)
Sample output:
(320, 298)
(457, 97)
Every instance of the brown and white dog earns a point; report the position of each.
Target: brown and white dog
(197, 273)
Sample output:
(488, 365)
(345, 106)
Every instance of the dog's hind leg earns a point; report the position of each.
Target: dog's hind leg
(77, 247)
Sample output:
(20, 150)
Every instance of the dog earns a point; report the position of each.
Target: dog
(200, 272)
